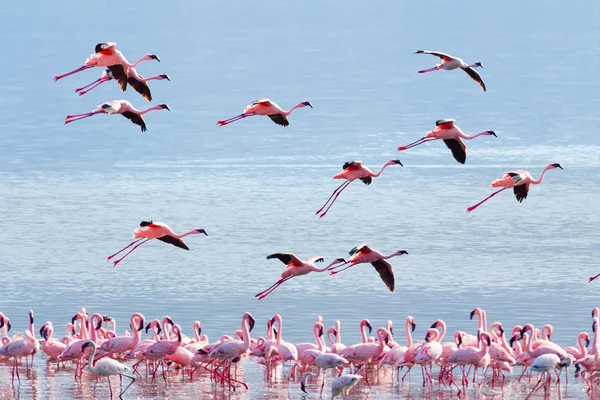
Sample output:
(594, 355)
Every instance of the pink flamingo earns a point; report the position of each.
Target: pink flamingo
(364, 254)
(52, 347)
(106, 55)
(337, 346)
(544, 364)
(125, 76)
(122, 107)
(518, 180)
(429, 353)
(323, 362)
(287, 351)
(353, 170)
(451, 135)
(74, 351)
(155, 230)
(365, 353)
(307, 355)
(159, 350)
(477, 357)
(318, 328)
(106, 367)
(17, 349)
(268, 108)
(392, 356)
(121, 344)
(449, 63)
(580, 351)
(295, 267)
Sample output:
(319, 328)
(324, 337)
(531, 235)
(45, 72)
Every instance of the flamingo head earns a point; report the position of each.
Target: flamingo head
(557, 165)
(397, 162)
(492, 133)
(340, 260)
(368, 325)
(99, 324)
(250, 319)
(151, 57)
(145, 223)
(478, 64)
(401, 252)
(320, 330)
(86, 345)
(43, 331)
(305, 103)
(201, 231)
(164, 106)
(164, 76)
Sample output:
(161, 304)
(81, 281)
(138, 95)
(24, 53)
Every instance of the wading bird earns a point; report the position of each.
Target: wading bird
(106, 367)
(268, 108)
(364, 254)
(149, 230)
(518, 180)
(122, 107)
(451, 135)
(449, 63)
(343, 384)
(105, 55)
(353, 170)
(295, 267)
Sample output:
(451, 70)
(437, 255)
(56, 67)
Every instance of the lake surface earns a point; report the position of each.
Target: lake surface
(72, 195)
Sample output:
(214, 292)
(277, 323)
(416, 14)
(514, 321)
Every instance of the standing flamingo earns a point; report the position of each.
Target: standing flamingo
(106, 55)
(149, 230)
(120, 344)
(295, 267)
(287, 351)
(124, 76)
(353, 170)
(52, 347)
(17, 349)
(544, 364)
(106, 367)
(122, 107)
(477, 357)
(337, 346)
(451, 135)
(323, 362)
(343, 384)
(449, 63)
(518, 180)
(159, 350)
(364, 254)
(366, 353)
(268, 108)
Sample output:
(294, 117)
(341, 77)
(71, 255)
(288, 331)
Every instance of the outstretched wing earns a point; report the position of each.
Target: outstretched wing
(279, 119)
(521, 192)
(286, 258)
(476, 77)
(261, 101)
(118, 73)
(315, 259)
(136, 119)
(366, 180)
(353, 164)
(174, 241)
(434, 53)
(446, 121)
(360, 248)
(141, 87)
(386, 272)
(458, 148)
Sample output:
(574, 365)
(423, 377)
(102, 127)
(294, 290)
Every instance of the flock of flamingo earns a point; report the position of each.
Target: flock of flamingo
(89, 337)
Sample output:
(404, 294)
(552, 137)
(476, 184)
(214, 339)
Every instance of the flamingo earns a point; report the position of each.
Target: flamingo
(343, 384)
(323, 362)
(52, 347)
(392, 356)
(295, 267)
(287, 351)
(122, 107)
(429, 353)
(449, 63)
(364, 254)
(337, 346)
(268, 108)
(105, 55)
(544, 364)
(518, 180)
(122, 344)
(365, 353)
(353, 170)
(123, 77)
(451, 134)
(149, 230)
(107, 367)
(478, 357)
(161, 349)
(17, 349)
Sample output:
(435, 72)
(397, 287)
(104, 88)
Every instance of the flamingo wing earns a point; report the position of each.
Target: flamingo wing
(264, 102)
(111, 107)
(315, 259)
(105, 48)
(448, 122)
(352, 165)
(279, 119)
(136, 119)
(458, 148)
(386, 272)
(521, 192)
(118, 73)
(174, 241)
(141, 87)
(366, 180)
(515, 176)
(286, 258)
(434, 53)
(475, 76)
(362, 248)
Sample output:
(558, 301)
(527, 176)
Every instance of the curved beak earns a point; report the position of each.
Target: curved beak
(413, 326)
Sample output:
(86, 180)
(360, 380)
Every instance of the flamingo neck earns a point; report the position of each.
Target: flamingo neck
(279, 324)
(314, 268)
(156, 107)
(582, 348)
(363, 332)
(91, 362)
(134, 326)
(541, 178)
(407, 327)
(467, 137)
(193, 232)
(338, 332)
(159, 76)
(292, 109)
(329, 333)
(443, 331)
(382, 168)
(136, 63)
(196, 333)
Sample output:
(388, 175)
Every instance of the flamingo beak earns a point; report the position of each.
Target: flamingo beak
(370, 327)
(492, 133)
(472, 314)
(147, 328)
(413, 326)
(251, 322)
(587, 342)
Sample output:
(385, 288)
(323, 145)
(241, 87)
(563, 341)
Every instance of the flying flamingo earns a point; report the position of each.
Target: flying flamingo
(295, 267)
(451, 135)
(364, 254)
(122, 107)
(449, 63)
(353, 170)
(124, 77)
(149, 230)
(106, 367)
(268, 108)
(106, 55)
(518, 180)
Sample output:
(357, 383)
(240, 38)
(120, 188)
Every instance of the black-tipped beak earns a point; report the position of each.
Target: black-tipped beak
(335, 332)
(434, 325)
(159, 330)
(165, 76)
(459, 341)
(307, 103)
(399, 163)
(147, 328)
(8, 325)
(303, 387)
(370, 327)
(85, 346)
(387, 339)
(511, 341)
(594, 326)
(202, 231)
(472, 314)
(166, 107)
(392, 331)
(501, 330)
(251, 322)
(200, 331)
(154, 57)
(73, 319)
(140, 326)
(42, 330)
(492, 133)
(99, 325)
(587, 342)
(413, 327)
(170, 321)
(523, 330)
(320, 331)
(489, 342)
(427, 337)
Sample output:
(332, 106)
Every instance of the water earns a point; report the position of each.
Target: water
(73, 194)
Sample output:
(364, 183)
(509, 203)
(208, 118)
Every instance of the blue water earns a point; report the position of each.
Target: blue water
(71, 195)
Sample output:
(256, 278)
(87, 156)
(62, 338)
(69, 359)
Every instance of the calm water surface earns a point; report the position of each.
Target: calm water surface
(73, 194)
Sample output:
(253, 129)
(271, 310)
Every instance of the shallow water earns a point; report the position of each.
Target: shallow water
(73, 194)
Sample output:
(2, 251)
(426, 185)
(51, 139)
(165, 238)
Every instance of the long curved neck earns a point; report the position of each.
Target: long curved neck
(315, 333)
(443, 332)
(539, 180)
(467, 137)
(159, 76)
(187, 233)
(596, 337)
(196, 329)
(83, 332)
(382, 168)
(330, 332)
(363, 331)
(280, 324)
(166, 329)
(136, 63)
(293, 108)
(135, 320)
(314, 268)
(91, 364)
(408, 327)
(582, 347)
(338, 334)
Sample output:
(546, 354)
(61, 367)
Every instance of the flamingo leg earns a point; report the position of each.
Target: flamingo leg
(124, 248)
(73, 118)
(593, 277)
(330, 197)
(334, 199)
(430, 69)
(416, 143)
(82, 92)
(89, 84)
(233, 119)
(82, 68)
(274, 286)
(109, 386)
(130, 383)
(484, 200)
(343, 269)
(129, 252)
